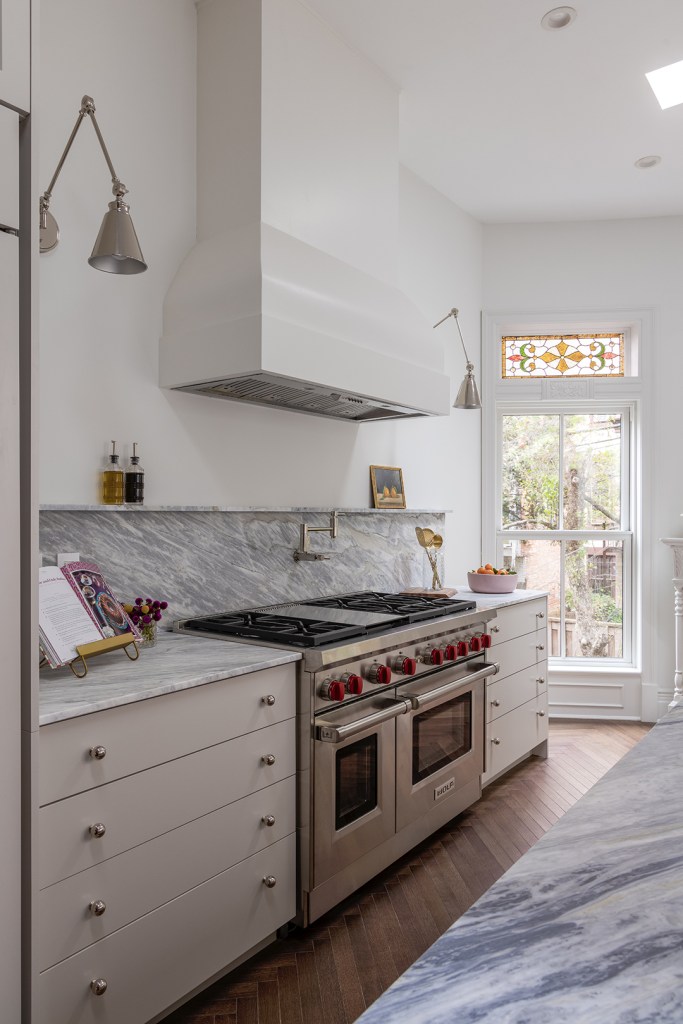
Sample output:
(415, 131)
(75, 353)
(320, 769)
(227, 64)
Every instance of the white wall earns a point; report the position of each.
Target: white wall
(615, 265)
(99, 333)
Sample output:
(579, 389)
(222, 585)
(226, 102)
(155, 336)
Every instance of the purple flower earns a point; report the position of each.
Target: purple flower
(163, 605)
(147, 619)
(157, 616)
(138, 600)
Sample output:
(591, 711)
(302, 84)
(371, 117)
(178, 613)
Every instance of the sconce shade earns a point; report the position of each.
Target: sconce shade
(117, 250)
(468, 395)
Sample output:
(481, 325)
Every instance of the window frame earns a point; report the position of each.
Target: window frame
(621, 691)
(624, 534)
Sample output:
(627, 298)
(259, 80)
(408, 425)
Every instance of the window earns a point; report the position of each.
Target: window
(562, 355)
(564, 522)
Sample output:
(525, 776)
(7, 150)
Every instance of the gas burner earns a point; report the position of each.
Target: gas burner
(327, 620)
(410, 607)
(298, 632)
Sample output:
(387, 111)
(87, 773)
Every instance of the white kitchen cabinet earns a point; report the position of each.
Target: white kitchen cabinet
(15, 53)
(195, 866)
(517, 697)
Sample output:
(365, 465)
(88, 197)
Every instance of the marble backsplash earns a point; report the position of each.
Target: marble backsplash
(206, 561)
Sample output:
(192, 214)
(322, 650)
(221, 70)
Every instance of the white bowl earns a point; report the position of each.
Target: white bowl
(483, 583)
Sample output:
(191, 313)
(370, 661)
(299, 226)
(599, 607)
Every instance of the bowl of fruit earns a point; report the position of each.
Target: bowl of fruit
(489, 580)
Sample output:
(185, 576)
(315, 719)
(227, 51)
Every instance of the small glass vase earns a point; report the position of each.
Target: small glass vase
(148, 634)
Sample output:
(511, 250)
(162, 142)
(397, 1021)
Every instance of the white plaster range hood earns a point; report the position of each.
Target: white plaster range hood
(289, 297)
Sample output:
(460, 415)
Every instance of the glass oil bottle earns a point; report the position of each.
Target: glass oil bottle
(135, 479)
(112, 479)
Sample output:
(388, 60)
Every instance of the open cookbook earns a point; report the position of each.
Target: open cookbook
(75, 607)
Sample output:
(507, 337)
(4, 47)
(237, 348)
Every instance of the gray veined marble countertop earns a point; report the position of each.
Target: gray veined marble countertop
(586, 928)
(176, 663)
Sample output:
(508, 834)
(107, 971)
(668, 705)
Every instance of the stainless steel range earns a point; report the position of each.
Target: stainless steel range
(390, 708)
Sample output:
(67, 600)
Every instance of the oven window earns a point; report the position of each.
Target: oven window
(441, 735)
(356, 781)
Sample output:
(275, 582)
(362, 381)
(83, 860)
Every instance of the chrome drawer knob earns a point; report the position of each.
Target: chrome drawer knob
(270, 881)
(98, 753)
(541, 714)
(540, 647)
(268, 820)
(496, 703)
(540, 615)
(496, 741)
(97, 830)
(98, 907)
(98, 986)
(495, 629)
(268, 758)
(540, 679)
(269, 699)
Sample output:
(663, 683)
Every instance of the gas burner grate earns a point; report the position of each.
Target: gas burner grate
(298, 632)
(408, 606)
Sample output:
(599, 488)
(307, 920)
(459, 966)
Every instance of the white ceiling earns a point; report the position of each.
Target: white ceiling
(516, 123)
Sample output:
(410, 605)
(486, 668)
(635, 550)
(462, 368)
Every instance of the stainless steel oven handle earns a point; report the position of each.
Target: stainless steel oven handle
(330, 733)
(422, 700)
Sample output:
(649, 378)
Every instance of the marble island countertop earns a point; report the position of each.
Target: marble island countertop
(176, 663)
(586, 928)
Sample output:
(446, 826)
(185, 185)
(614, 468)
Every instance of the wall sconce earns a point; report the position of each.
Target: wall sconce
(468, 395)
(116, 250)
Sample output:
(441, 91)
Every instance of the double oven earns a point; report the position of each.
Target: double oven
(390, 725)
(390, 771)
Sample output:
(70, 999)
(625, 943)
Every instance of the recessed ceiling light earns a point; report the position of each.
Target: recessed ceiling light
(667, 84)
(648, 161)
(559, 17)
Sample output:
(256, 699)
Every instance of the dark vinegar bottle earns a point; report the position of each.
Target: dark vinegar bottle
(135, 480)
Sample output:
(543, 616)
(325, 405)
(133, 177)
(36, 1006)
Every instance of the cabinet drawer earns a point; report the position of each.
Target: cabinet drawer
(515, 734)
(146, 805)
(505, 695)
(155, 961)
(522, 652)
(148, 732)
(517, 619)
(9, 167)
(131, 885)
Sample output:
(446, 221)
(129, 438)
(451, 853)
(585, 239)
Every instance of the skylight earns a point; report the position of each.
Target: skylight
(667, 84)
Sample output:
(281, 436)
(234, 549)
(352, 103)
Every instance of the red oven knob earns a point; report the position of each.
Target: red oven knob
(463, 648)
(433, 656)
(353, 683)
(475, 643)
(404, 666)
(451, 652)
(332, 689)
(485, 639)
(377, 673)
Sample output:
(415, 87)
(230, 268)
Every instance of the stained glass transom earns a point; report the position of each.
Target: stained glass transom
(563, 355)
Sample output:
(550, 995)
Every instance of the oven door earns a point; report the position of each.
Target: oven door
(354, 771)
(440, 742)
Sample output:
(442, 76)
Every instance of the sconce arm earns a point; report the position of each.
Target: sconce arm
(118, 188)
(454, 313)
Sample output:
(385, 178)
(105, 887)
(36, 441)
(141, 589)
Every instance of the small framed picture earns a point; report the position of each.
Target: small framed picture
(387, 487)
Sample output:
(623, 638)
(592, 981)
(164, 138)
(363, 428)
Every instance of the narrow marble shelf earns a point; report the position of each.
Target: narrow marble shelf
(243, 508)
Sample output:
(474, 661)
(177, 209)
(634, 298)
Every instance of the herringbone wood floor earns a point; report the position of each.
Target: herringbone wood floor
(333, 970)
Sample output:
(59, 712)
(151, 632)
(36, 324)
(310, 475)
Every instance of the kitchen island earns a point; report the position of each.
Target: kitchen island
(586, 927)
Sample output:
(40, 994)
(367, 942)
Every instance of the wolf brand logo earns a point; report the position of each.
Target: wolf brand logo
(446, 787)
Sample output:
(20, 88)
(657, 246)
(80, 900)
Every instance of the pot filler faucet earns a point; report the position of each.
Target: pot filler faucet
(303, 554)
